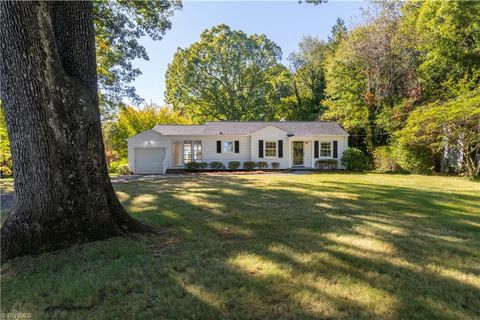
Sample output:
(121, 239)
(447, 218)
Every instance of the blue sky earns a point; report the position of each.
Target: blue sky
(284, 22)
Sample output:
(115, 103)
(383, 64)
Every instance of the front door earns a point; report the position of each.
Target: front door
(298, 153)
(177, 154)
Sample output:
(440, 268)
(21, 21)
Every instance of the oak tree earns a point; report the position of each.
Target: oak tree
(49, 90)
(227, 75)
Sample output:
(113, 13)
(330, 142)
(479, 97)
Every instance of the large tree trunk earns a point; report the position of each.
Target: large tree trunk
(63, 194)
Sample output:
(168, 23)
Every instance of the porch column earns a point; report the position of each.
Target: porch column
(311, 154)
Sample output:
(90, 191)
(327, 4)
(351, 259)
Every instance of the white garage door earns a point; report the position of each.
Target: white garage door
(149, 160)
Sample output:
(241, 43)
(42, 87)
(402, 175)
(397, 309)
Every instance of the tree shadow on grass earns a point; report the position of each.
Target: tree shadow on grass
(432, 244)
(235, 247)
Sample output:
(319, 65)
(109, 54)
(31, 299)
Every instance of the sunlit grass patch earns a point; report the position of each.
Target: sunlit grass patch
(319, 246)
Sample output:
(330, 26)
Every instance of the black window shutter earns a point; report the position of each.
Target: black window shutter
(219, 146)
(260, 148)
(315, 149)
(237, 146)
(280, 148)
(335, 149)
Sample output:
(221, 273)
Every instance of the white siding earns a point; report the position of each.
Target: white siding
(151, 139)
(342, 145)
(209, 149)
(147, 139)
(248, 146)
(271, 133)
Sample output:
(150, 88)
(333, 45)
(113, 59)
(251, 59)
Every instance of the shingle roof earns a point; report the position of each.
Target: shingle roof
(298, 128)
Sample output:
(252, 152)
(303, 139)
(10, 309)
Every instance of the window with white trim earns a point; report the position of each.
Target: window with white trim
(325, 149)
(228, 146)
(192, 151)
(270, 148)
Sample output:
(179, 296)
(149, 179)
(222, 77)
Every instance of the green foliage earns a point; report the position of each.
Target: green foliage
(417, 160)
(216, 165)
(117, 166)
(353, 159)
(275, 165)
(249, 165)
(447, 39)
(262, 165)
(6, 168)
(124, 170)
(234, 165)
(307, 81)
(131, 121)
(453, 124)
(402, 158)
(227, 75)
(192, 166)
(118, 27)
(326, 164)
(384, 160)
(370, 76)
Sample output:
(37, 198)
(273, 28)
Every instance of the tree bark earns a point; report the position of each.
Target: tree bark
(63, 193)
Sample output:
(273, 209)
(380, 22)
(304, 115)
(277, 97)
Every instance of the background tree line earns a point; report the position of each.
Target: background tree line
(404, 82)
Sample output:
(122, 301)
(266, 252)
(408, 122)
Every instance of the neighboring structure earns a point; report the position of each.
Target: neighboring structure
(291, 144)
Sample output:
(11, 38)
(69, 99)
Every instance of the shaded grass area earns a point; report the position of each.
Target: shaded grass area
(334, 246)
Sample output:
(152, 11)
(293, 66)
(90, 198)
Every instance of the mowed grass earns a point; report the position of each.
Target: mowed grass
(317, 246)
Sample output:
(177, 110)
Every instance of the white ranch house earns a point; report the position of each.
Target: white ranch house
(293, 144)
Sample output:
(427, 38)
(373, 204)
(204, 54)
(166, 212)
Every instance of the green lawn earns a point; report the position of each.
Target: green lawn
(320, 246)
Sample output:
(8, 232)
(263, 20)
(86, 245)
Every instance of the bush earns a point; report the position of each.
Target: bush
(275, 165)
(353, 159)
(115, 166)
(124, 170)
(196, 166)
(216, 165)
(262, 164)
(384, 160)
(326, 164)
(414, 159)
(234, 165)
(249, 165)
(5, 171)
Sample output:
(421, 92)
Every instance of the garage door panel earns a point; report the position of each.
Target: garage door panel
(149, 160)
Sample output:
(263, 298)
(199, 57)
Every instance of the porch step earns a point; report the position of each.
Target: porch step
(175, 170)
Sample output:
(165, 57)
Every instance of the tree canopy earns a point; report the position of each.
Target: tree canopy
(227, 75)
(118, 27)
(307, 81)
(131, 121)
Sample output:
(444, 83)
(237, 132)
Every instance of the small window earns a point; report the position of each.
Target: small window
(228, 146)
(325, 149)
(270, 149)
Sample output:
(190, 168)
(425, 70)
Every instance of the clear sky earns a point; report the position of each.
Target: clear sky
(284, 22)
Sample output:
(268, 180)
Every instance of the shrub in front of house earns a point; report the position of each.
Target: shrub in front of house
(249, 165)
(384, 160)
(234, 165)
(353, 159)
(191, 166)
(326, 164)
(216, 165)
(262, 165)
(275, 165)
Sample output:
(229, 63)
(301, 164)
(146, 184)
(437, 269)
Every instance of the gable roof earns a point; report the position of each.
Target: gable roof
(297, 128)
